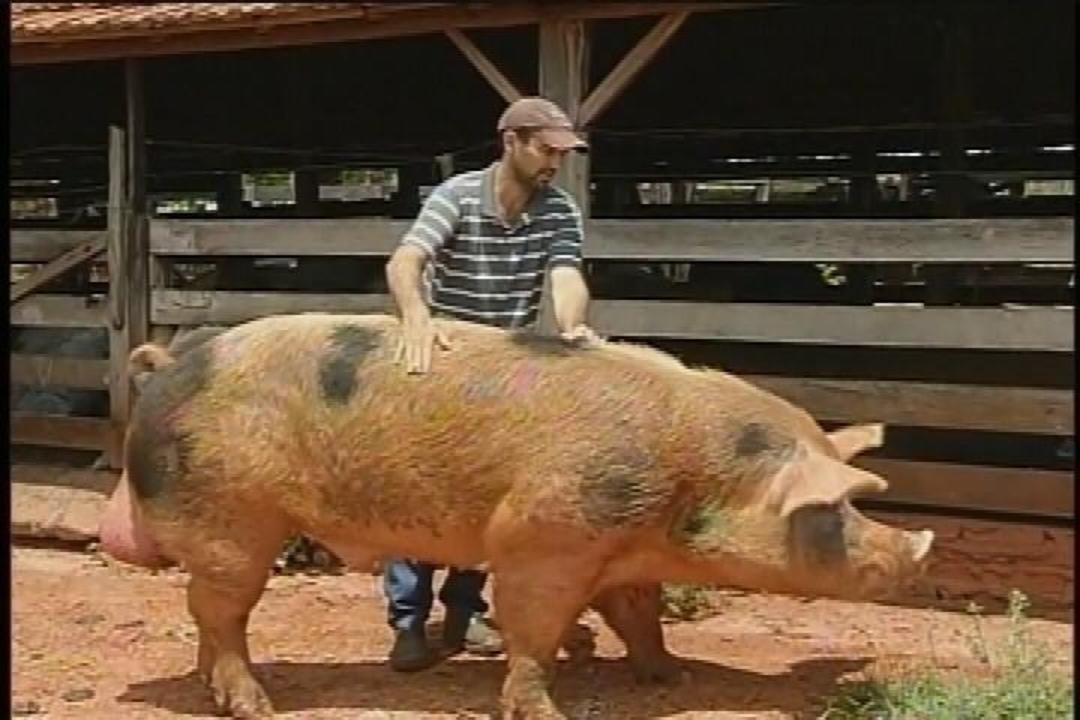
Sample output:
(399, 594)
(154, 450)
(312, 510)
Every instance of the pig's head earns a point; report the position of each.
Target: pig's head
(788, 525)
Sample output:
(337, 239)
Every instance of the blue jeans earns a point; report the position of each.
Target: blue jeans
(407, 585)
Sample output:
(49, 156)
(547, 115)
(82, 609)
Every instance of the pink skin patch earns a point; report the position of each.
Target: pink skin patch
(123, 535)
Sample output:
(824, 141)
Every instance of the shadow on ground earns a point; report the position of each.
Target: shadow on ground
(599, 688)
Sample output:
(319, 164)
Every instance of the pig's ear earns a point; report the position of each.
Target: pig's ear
(816, 479)
(854, 439)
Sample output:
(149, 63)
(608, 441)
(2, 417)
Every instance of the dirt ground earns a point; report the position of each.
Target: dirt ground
(95, 640)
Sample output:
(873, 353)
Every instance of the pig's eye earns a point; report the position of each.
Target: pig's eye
(816, 533)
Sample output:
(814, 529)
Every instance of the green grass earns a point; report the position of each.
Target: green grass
(686, 602)
(1021, 684)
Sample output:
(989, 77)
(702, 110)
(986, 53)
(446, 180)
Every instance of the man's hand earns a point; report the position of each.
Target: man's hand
(418, 338)
(580, 334)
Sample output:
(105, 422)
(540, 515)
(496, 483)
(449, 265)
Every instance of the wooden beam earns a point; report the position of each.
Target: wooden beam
(32, 246)
(990, 240)
(632, 63)
(78, 433)
(1018, 491)
(1047, 329)
(497, 80)
(968, 407)
(58, 311)
(418, 22)
(59, 371)
(55, 268)
(194, 307)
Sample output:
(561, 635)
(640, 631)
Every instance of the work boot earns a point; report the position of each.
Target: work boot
(411, 651)
(472, 632)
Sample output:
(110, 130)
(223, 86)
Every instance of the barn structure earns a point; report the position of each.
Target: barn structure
(863, 207)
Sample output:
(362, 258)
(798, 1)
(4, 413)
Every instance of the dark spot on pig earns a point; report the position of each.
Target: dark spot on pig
(156, 449)
(817, 534)
(349, 344)
(616, 490)
(755, 439)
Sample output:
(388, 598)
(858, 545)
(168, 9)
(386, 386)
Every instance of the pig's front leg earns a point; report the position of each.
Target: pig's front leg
(535, 603)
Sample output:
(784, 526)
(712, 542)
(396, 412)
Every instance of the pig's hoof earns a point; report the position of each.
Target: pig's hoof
(238, 694)
(660, 670)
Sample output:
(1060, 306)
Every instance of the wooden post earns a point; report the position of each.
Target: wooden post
(563, 75)
(307, 193)
(128, 255)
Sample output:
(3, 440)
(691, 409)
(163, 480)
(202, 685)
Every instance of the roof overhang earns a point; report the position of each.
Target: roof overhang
(131, 31)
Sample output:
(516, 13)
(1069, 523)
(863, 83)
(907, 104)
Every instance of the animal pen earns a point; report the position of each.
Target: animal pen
(867, 210)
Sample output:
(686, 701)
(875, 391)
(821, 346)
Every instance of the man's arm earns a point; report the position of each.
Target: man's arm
(432, 229)
(569, 293)
(570, 296)
(403, 276)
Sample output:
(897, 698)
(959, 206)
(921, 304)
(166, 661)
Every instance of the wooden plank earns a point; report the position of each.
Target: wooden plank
(374, 237)
(55, 268)
(58, 311)
(55, 370)
(78, 433)
(1041, 328)
(1020, 491)
(840, 240)
(33, 246)
(627, 69)
(991, 240)
(982, 561)
(33, 474)
(968, 407)
(1032, 328)
(480, 61)
(380, 25)
(187, 307)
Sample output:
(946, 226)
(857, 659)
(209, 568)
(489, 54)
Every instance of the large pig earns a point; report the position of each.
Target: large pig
(582, 476)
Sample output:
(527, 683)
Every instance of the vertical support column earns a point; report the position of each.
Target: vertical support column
(307, 193)
(128, 255)
(563, 76)
(564, 55)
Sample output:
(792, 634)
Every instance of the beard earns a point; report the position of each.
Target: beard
(536, 179)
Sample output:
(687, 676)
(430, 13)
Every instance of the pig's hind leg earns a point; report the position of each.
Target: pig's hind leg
(633, 612)
(228, 575)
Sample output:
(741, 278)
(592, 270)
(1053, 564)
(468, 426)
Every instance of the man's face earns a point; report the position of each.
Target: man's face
(533, 162)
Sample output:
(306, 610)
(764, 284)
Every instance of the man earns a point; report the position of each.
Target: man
(478, 251)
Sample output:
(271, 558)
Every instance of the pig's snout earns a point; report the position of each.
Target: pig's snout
(123, 533)
(894, 561)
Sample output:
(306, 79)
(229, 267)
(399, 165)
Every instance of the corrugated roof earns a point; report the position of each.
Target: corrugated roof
(58, 22)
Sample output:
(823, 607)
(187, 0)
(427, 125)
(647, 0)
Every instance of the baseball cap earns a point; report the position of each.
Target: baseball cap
(551, 123)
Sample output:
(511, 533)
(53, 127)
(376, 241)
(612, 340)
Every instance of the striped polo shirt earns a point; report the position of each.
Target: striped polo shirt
(480, 268)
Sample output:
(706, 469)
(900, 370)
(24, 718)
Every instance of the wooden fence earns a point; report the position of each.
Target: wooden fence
(1035, 410)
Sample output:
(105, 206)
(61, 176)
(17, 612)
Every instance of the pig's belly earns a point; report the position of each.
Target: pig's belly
(360, 546)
